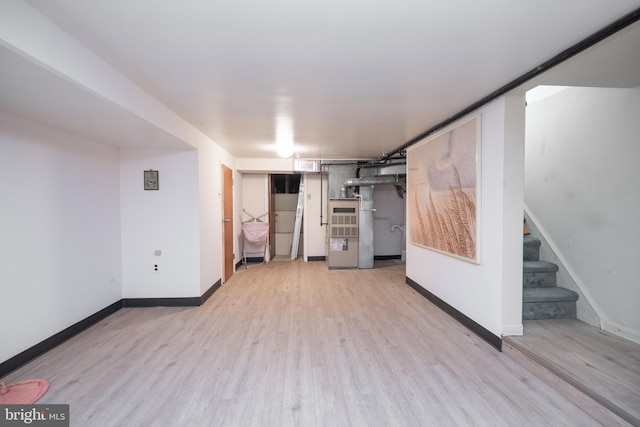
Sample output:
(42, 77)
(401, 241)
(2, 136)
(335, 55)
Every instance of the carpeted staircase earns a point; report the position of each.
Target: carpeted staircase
(541, 297)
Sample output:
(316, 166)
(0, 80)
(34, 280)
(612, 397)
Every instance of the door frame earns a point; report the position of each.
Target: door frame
(228, 255)
(272, 218)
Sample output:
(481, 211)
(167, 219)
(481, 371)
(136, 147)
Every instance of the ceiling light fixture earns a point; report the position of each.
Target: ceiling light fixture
(284, 128)
(284, 145)
(284, 151)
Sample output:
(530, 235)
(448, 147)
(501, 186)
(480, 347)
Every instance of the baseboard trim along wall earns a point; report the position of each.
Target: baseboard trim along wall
(161, 302)
(210, 291)
(470, 324)
(31, 353)
(386, 257)
(42, 347)
(258, 259)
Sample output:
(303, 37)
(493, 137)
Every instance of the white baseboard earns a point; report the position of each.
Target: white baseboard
(620, 330)
(512, 330)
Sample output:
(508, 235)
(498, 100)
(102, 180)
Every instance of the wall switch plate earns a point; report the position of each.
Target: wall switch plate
(157, 252)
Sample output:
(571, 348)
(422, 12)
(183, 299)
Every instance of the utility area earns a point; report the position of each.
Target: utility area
(366, 212)
(360, 206)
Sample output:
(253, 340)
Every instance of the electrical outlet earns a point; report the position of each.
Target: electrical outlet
(156, 269)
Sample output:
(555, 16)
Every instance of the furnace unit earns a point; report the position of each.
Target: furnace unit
(343, 233)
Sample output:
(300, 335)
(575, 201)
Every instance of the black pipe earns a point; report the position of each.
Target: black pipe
(321, 224)
(387, 164)
(579, 47)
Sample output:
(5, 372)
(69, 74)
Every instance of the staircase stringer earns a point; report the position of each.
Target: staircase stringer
(576, 284)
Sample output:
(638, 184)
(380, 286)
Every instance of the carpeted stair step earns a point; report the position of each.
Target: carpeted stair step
(539, 274)
(548, 303)
(531, 248)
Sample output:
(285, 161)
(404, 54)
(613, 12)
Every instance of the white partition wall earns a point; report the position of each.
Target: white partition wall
(489, 293)
(60, 258)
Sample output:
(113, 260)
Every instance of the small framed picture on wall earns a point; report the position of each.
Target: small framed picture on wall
(151, 180)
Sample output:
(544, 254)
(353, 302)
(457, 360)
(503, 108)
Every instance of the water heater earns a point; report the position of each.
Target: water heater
(343, 232)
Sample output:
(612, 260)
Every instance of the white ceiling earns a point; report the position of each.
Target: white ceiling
(35, 92)
(357, 78)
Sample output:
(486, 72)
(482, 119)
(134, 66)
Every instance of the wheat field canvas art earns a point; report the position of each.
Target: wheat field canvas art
(443, 198)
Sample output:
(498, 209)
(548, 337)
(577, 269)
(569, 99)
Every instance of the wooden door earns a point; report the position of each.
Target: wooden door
(227, 222)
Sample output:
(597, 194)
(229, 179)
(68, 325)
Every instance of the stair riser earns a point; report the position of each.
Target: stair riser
(538, 279)
(549, 310)
(531, 253)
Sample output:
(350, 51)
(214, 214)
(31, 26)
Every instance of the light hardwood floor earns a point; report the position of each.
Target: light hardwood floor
(604, 367)
(295, 345)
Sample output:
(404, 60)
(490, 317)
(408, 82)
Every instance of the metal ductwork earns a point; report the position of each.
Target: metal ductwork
(365, 254)
(373, 180)
(395, 180)
(340, 179)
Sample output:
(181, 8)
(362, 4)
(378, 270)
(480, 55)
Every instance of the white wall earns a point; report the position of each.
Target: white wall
(37, 39)
(276, 165)
(165, 220)
(479, 291)
(73, 176)
(60, 228)
(582, 180)
(255, 194)
(512, 214)
(210, 215)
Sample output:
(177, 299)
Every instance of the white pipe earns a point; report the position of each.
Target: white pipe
(392, 227)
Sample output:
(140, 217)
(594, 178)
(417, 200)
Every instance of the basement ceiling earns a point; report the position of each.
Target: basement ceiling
(355, 78)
